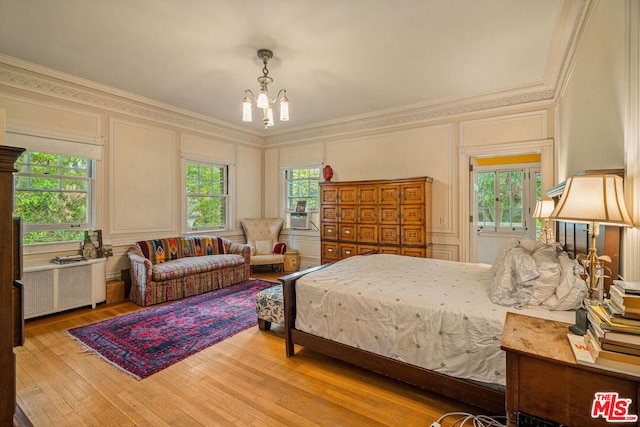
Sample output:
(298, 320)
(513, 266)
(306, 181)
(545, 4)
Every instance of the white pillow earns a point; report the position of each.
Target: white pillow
(548, 266)
(530, 245)
(502, 253)
(513, 284)
(264, 247)
(572, 289)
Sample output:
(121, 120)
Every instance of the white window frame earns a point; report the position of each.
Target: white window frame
(287, 180)
(225, 196)
(288, 211)
(528, 195)
(90, 178)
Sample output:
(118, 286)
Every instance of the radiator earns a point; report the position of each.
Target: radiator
(526, 420)
(52, 288)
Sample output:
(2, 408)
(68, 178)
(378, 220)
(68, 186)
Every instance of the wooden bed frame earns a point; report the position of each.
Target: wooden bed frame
(573, 238)
(475, 394)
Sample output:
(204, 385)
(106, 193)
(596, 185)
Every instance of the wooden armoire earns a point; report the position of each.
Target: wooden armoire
(384, 216)
(11, 320)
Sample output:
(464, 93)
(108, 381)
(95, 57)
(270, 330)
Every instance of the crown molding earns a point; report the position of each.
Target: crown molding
(22, 75)
(103, 97)
(414, 116)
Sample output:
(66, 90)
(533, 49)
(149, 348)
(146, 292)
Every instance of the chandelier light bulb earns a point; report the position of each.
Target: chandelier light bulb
(246, 109)
(263, 99)
(270, 116)
(284, 108)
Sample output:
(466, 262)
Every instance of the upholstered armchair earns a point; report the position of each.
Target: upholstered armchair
(262, 235)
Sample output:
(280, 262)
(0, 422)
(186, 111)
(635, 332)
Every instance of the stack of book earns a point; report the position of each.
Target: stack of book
(68, 259)
(613, 336)
(625, 299)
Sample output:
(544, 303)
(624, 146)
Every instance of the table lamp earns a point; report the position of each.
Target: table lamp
(543, 211)
(595, 200)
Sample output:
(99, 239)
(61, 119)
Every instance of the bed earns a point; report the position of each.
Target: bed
(432, 323)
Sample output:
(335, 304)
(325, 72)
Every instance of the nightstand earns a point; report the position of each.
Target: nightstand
(544, 380)
(291, 261)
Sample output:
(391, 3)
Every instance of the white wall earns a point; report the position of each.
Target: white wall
(591, 107)
(428, 149)
(139, 165)
(597, 112)
(143, 193)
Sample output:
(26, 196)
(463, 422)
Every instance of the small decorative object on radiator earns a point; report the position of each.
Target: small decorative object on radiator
(92, 245)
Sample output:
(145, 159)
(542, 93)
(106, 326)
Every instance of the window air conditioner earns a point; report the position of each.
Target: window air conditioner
(299, 220)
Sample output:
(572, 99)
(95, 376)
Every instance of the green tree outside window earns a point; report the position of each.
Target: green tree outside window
(206, 188)
(53, 196)
(303, 185)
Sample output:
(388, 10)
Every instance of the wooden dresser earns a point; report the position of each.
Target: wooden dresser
(387, 216)
(544, 380)
(11, 315)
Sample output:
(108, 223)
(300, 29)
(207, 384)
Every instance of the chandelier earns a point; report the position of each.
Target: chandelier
(263, 100)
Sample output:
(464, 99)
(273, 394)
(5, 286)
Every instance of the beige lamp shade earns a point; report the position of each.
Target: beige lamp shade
(593, 198)
(544, 208)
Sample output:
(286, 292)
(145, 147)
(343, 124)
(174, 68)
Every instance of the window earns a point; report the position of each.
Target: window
(303, 186)
(501, 195)
(53, 196)
(207, 190)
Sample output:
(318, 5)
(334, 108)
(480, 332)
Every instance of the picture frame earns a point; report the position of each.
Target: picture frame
(301, 206)
(95, 238)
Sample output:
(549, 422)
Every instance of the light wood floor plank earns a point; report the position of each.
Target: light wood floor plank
(245, 380)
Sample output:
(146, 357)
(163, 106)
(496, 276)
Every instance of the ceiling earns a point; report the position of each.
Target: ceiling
(337, 59)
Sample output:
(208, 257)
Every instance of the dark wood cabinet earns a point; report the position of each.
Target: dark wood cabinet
(388, 216)
(544, 380)
(11, 324)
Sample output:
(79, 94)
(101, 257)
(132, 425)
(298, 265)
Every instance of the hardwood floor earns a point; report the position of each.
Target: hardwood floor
(244, 380)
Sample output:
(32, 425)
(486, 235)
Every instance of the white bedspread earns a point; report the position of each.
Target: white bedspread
(431, 313)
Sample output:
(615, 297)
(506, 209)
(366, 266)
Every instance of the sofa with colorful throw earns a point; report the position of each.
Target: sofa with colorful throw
(174, 268)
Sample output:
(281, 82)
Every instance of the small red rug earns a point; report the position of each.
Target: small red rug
(147, 341)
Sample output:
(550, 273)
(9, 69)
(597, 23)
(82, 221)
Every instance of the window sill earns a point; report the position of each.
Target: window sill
(299, 232)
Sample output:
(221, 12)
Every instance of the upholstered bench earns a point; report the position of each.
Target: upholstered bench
(270, 307)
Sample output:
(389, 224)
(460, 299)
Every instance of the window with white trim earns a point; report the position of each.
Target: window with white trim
(504, 197)
(207, 193)
(500, 199)
(53, 196)
(303, 188)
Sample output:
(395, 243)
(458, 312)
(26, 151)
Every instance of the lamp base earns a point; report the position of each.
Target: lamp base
(580, 328)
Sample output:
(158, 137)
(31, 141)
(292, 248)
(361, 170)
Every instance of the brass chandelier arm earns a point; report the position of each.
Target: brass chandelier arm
(248, 92)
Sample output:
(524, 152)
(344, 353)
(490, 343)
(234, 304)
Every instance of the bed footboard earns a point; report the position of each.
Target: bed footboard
(289, 295)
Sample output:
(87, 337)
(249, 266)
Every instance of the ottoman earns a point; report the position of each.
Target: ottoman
(270, 307)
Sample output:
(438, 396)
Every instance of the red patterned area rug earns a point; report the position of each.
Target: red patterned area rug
(147, 341)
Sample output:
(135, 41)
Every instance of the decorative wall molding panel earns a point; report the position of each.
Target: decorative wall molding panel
(447, 253)
(443, 240)
(145, 158)
(101, 98)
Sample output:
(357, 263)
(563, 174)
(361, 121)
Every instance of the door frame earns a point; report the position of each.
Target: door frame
(467, 235)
